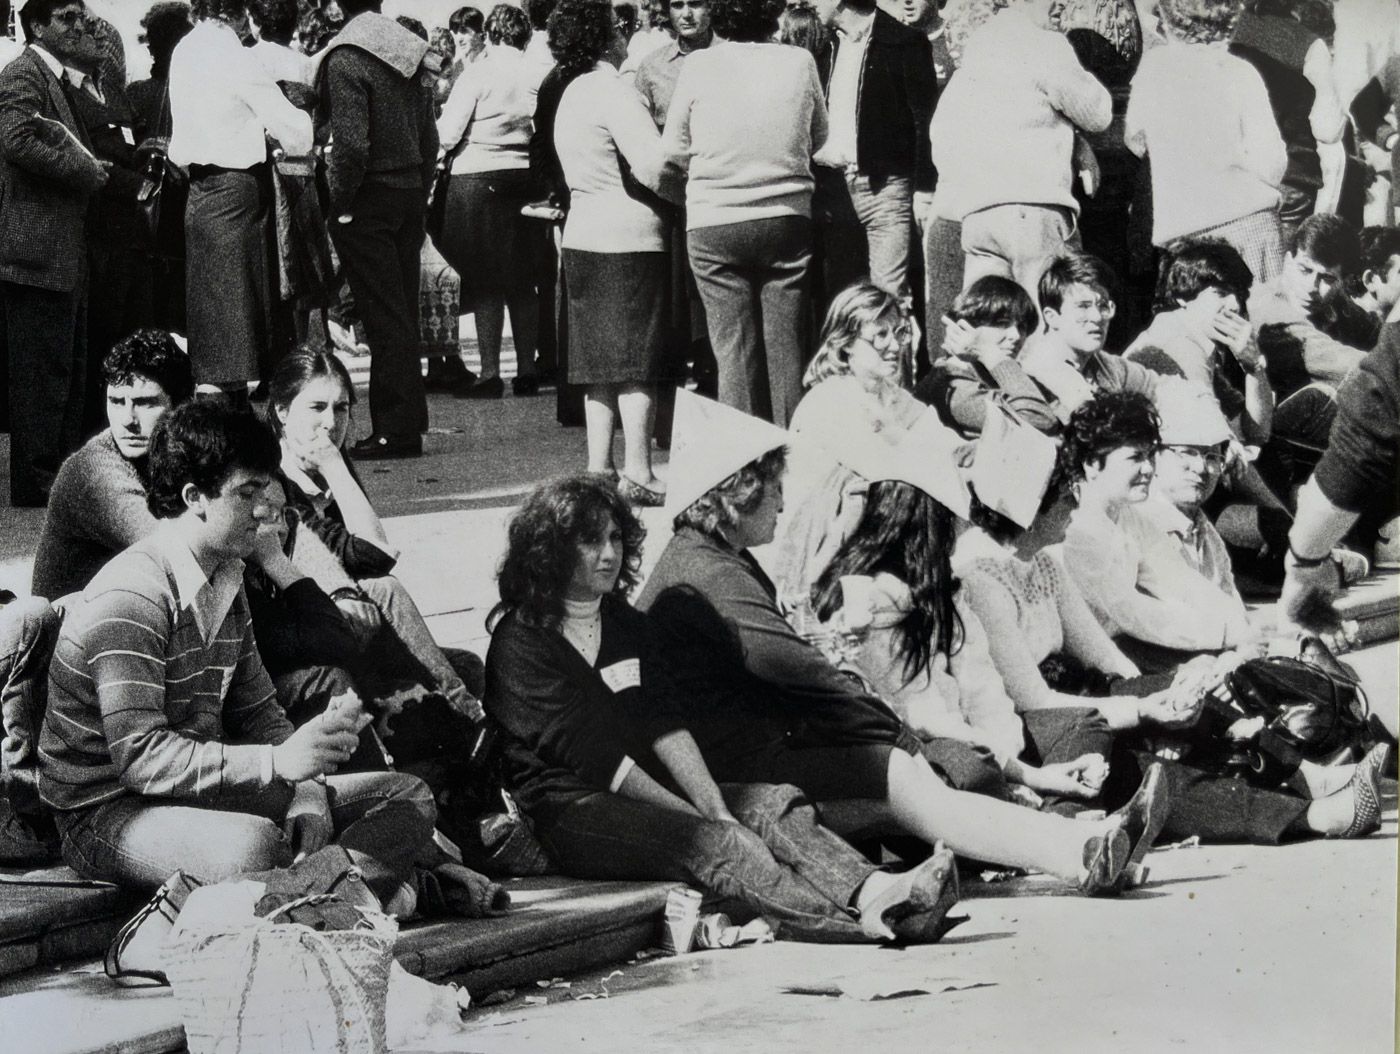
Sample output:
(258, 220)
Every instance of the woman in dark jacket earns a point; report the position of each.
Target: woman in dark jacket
(600, 760)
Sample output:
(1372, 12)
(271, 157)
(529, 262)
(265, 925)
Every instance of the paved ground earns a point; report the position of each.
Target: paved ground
(1228, 949)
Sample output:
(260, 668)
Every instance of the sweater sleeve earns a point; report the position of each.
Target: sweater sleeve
(1074, 91)
(128, 674)
(995, 608)
(820, 124)
(116, 513)
(346, 99)
(252, 713)
(635, 134)
(457, 112)
(982, 694)
(1083, 637)
(300, 626)
(1358, 470)
(285, 123)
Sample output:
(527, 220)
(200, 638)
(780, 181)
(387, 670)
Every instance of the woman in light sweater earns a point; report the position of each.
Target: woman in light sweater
(1203, 115)
(614, 242)
(746, 118)
(485, 128)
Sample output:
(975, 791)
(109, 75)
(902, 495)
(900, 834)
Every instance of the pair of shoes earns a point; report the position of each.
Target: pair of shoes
(447, 374)
(1142, 819)
(527, 385)
(636, 494)
(485, 388)
(1366, 794)
(381, 447)
(913, 905)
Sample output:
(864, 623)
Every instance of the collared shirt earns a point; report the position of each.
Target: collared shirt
(208, 599)
(52, 63)
(843, 100)
(1140, 581)
(656, 80)
(223, 103)
(1054, 367)
(1197, 541)
(321, 497)
(84, 83)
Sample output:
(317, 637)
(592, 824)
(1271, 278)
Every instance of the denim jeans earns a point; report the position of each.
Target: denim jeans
(28, 630)
(385, 819)
(886, 211)
(778, 859)
(1017, 241)
(752, 279)
(401, 612)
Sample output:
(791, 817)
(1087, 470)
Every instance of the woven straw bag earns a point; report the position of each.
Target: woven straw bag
(266, 988)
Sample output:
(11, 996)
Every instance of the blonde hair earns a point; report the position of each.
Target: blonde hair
(851, 310)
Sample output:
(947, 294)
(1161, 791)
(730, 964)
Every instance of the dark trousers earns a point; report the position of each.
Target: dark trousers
(778, 860)
(379, 251)
(943, 278)
(753, 282)
(121, 301)
(46, 333)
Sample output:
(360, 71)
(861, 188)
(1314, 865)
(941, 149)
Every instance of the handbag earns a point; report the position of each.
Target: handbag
(164, 192)
(268, 985)
(137, 952)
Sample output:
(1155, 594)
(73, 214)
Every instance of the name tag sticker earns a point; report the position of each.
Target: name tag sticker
(623, 675)
(128, 136)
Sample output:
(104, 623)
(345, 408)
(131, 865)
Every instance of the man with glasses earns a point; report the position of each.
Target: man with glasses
(49, 173)
(1068, 360)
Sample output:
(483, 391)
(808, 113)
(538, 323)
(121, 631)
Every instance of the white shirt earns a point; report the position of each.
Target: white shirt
(209, 599)
(55, 67)
(282, 63)
(843, 102)
(222, 101)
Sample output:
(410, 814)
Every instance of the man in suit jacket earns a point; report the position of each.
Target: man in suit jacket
(881, 90)
(384, 147)
(49, 173)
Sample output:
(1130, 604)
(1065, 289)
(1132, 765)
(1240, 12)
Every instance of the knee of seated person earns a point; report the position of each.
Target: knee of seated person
(25, 622)
(415, 794)
(386, 591)
(258, 845)
(763, 803)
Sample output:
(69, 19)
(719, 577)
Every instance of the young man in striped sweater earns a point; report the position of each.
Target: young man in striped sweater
(163, 745)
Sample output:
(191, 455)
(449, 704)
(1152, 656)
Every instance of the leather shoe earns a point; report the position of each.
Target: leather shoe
(381, 447)
(920, 898)
(1142, 819)
(485, 388)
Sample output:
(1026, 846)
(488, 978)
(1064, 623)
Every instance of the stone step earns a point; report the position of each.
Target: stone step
(50, 915)
(556, 927)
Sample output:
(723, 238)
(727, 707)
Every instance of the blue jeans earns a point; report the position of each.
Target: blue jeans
(752, 279)
(28, 630)
(887, 214)
(385, 820)
(778, 859)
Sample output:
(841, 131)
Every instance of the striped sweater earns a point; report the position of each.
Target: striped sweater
(140, 704)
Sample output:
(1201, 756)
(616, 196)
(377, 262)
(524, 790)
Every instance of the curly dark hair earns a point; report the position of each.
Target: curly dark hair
(746, 21)
(417, 28)
(906, 533)
(720, 507)
(162, 27)
(1110, 421)
(580, 32)
(508, 25)
(276, 19)
(204, 443)
(543, 541)
(153, 354)
(229, 10)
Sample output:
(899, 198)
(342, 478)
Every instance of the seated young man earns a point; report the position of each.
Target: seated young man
(1377, 289)
(97, 506)
(1201, 333)
(163, 745)
(1067, 359)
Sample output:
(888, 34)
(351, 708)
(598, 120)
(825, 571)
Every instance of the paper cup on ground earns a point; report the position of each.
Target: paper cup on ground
(681, 921)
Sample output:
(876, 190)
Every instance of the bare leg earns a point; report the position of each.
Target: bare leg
(1318, 781)
(637, 408)
(600, 415)
(981, 827)
(490, 311)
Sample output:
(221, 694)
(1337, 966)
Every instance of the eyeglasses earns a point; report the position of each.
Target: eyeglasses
(1104, 308)
(1212, 457)
(73, 18)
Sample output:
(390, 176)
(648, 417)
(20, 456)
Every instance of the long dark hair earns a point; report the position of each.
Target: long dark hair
(295, 372)
(906, 533)
(543, 540)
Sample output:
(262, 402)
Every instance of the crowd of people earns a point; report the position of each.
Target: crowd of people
(966, 589)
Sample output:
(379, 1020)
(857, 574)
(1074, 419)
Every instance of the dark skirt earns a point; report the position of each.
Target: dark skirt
(484, 237)
(617, 316)
(228, 296)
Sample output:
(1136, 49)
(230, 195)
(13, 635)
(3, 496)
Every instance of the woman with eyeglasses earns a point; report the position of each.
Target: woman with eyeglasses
(1053, 654)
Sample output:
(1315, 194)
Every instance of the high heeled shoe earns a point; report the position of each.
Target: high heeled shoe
(915, 897)
(1105, 857)
(929, 927)
(1142, 819)
(1366, 794)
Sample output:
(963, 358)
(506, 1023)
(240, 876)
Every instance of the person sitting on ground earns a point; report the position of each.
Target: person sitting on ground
(764, 704)
(1202, 334)
(924, 651)
(1161, 601)
(163, 746)
(28, 629)
(1203, 116)
(1051, 653)
(98, 504)
(602, 763)
(309, 400)
(1067, 359)
(1377, 287)
(988, 325)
